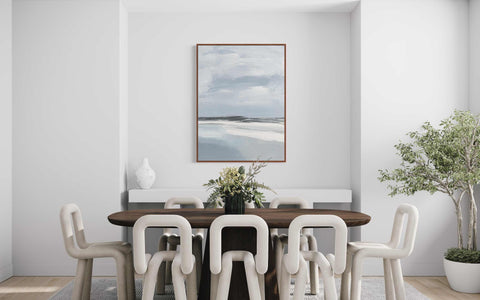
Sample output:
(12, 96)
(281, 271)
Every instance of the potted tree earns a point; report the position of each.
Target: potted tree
(447, 160)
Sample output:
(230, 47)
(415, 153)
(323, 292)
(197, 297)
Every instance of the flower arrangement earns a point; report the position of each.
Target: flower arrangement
(234, 184)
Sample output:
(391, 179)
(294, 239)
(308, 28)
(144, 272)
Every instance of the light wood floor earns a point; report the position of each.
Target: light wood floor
(42, 288)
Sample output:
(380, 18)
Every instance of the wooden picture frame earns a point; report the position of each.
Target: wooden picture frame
(241, 102)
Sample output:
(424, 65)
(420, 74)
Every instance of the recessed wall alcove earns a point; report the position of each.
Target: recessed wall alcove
(161, 117)
(161, 102)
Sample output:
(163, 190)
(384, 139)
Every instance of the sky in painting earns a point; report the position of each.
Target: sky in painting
(241, 81)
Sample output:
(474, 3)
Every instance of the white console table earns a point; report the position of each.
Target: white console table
(310, 195)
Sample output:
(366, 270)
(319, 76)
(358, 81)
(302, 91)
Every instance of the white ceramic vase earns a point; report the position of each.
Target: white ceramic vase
(462, 277)
(145, 175)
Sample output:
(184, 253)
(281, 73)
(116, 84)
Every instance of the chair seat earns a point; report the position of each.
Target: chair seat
(355, 246)
(101, 250)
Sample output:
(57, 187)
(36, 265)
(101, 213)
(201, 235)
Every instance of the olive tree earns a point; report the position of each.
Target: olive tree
(444, 159)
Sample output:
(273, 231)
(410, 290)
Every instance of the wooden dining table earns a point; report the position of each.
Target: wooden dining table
(239, 239)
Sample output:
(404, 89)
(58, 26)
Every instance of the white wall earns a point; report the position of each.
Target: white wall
(355, 113)
(414, 58)
(66, 119)
(475, 55)
(5, 139)
(123, 102)
(162, 94)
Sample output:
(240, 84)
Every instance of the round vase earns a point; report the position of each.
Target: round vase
(145, 175)
(462, 277)
(234, 205)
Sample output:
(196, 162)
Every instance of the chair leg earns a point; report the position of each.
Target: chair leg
(162, 246)
(329, 287)
(330, 290)
(387, 271)
(346, 278)
(79, 279)
(192, 286)
(225, 275)
(149, 281)
(284, 286)
(261, 284)
(197, 252)
(214, 278)
(314, 276)
(130, 277)
(398, 280)
(150, 277)
(252, 277)
(355, 290)
(87, 280)
(121, 277)
(278, 257)
(301, 280)
(168, 265)
(178, 280)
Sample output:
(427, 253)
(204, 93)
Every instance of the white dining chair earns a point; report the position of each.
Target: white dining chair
(307, 242)
(295, 261)
(170, 240)
(73, 230)
(390, 252)
(221, 265)
(183, 262)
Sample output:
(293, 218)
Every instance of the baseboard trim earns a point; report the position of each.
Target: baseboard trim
(6, 272)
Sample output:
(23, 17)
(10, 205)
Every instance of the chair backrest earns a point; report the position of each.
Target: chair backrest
(411, 212)
(72, 229)
(261, 258)
(139, 255)
(291, 259)
(177, 201)
(302, 203)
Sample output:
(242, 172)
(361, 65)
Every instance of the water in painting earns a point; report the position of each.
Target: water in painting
(241, 112)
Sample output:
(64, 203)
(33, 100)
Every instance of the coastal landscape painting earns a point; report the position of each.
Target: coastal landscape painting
(241, 102)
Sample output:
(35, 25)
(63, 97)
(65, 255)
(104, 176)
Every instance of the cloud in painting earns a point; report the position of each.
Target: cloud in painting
(241, 81)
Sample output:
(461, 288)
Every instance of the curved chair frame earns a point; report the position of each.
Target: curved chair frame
(294, 262)
(307, 242)
(169, 241)
(183, 262)
(221, 265)
(391, 252)
(73, 230)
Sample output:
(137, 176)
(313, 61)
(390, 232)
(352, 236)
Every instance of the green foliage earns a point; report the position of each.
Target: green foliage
(444, 159)
(463, 255)
(234, 181)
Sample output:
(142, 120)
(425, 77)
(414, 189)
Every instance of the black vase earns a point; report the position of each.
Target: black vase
(234, 205)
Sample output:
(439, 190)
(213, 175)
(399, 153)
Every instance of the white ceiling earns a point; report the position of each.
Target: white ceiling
(203, 6)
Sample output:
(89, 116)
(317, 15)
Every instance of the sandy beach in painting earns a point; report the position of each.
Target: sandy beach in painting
(240, 138)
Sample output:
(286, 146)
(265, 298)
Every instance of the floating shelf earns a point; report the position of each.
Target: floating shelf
(310, 195)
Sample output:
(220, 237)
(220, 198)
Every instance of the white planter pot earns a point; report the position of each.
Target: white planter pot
(145, 175)
(463, 277)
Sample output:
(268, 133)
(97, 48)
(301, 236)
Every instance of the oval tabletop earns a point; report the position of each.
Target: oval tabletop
(202, 218)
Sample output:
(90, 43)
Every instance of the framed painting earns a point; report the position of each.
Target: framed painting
(241, 102)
